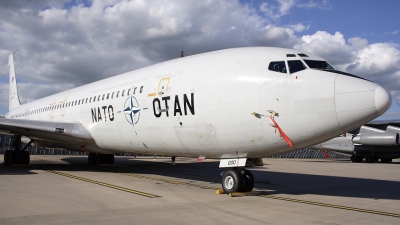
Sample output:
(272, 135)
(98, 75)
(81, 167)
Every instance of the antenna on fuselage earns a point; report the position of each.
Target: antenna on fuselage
(182, 54)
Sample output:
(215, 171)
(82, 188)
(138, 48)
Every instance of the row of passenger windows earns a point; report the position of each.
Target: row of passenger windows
(84, 101)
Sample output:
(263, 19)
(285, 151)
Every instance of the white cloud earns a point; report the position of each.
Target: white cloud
(278, 8)
(285, 6)
(276, 11)
(379, 62)
(376, 59)
(77, 45)
(332, 47)
(358, 43)
(299, 27)
(320, 4)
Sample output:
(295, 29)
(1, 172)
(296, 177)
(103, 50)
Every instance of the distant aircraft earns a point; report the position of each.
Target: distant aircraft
(236, 105)
(376, 140)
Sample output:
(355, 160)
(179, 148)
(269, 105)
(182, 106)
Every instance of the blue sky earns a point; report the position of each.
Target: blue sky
(63, 44)
(374, 20)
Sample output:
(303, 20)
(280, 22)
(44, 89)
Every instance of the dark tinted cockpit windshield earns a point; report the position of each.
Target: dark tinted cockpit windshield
(324, 65)
(316, 64)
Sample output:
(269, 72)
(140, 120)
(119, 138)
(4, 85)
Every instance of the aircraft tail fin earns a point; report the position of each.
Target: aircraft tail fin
(13, 96)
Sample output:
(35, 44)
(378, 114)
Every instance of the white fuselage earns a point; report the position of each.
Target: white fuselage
(206, 105)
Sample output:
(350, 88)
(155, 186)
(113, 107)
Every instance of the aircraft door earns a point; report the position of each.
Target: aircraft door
(163, 116)
(162, 100)
(163, 86)
(52, 110)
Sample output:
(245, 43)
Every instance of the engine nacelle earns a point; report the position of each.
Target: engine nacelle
(387, 139)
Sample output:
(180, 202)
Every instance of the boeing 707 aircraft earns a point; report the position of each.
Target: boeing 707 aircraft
(237, 105)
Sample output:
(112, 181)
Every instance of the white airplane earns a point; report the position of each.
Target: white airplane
(375, 140)
(236, 105)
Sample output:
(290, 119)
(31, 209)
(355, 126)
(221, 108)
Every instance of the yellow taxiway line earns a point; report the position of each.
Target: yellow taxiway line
(331, 206)
(104, 184)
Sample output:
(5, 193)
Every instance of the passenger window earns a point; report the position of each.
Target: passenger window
(86, 100)
(141, 89)
(279, 66)
(103, 96)
(98, 99)
(296, 66)
(112, 95)
(129, 91)
(90, 99)
(76, 102)
(79, 102)
(122, 95)
(117, 94)
(108, 95)
(134, 91)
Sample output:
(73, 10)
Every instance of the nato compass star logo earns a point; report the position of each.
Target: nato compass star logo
(132, 110)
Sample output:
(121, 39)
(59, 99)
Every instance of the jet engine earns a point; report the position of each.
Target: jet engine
(386, 139)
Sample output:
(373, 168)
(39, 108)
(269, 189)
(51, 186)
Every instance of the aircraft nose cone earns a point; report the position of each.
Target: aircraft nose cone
(383, 100)
(358, 101)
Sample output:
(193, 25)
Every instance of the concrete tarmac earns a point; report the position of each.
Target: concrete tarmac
(65, 190)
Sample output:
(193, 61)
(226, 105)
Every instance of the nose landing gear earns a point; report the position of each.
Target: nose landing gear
(237, 179)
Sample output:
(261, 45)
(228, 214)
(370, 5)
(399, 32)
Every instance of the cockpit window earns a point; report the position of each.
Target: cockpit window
(279, 66)
(316, 64)
(296, 66)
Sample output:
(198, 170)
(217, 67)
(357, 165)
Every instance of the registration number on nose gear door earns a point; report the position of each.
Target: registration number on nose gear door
(238, 162)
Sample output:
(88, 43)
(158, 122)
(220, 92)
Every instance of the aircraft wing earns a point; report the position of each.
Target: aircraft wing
(65, 132)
